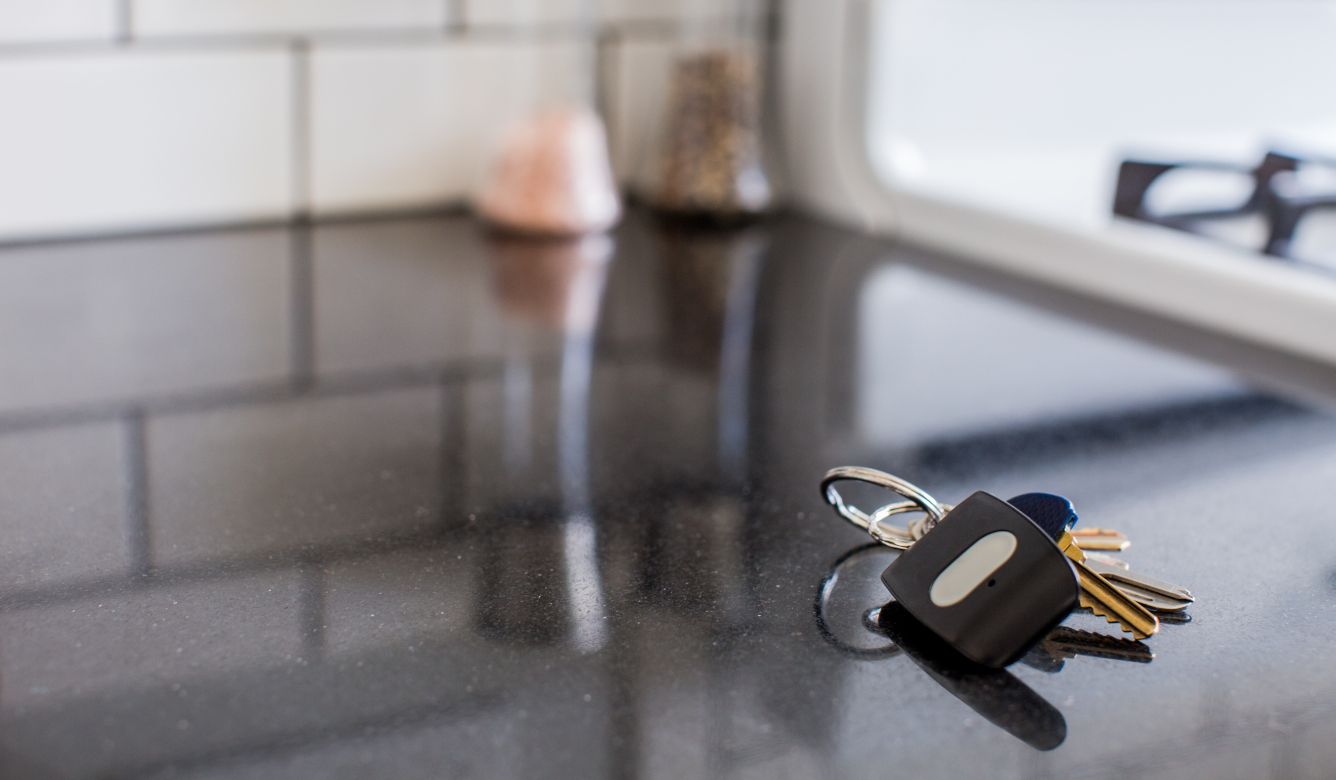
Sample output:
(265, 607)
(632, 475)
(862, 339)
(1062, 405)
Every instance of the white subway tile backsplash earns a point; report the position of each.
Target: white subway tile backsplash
(403, 126)
(661, 10)
(216, 17)
(638, 71)
(142, 138)
(201, 117)
(534, 12)
(527, 12)
(33, 21)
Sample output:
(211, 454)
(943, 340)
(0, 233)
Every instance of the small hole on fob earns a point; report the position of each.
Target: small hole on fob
(991, 583)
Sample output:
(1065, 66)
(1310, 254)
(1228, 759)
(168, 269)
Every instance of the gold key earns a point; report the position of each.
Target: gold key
(1105, 600)
(1100, 539)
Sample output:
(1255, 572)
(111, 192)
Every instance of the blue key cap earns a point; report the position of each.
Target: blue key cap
(1050, 512)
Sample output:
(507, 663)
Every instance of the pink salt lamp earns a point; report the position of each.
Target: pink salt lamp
(552, 177)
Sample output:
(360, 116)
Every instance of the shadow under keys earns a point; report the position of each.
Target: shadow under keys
(997, 695)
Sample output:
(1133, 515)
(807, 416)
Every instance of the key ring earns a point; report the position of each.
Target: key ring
(915, 530)
(919, 501)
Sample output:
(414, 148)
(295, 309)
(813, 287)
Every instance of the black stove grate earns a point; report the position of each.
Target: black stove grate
(1277, 196)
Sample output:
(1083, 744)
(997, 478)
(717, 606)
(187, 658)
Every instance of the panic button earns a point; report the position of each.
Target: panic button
(975, 565)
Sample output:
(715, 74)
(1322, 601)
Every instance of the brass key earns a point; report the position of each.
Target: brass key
(1105, 600)
(1100, 539)
(1123, 575)
(1156, 595)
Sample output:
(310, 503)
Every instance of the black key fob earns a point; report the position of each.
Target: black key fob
(986, 579)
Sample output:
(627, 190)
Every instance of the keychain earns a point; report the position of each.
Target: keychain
(995, 694)
(992, 577)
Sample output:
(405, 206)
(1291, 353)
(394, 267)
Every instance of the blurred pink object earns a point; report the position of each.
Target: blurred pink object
(553, 177)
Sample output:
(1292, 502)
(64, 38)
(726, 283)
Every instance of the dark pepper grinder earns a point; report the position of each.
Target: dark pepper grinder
(710, 157)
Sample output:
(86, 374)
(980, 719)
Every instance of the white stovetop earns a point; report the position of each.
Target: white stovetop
(993, 130)
(1047, 213)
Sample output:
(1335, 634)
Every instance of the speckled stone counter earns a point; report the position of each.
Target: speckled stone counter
(395, 498)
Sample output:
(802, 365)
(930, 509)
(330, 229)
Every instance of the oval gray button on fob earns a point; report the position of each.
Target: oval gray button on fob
(975, 565)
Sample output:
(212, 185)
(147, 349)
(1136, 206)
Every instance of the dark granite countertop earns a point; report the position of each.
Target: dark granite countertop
(394, 498)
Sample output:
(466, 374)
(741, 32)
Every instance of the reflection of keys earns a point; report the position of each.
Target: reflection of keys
(1105, 600)
(1100, 539)
(1066, 642)
(1063, 643)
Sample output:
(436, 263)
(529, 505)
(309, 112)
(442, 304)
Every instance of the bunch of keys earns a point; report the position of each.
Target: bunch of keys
(1001, 574)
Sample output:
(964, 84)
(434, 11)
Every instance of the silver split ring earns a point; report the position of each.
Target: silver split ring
(919, 501)
(901, 538)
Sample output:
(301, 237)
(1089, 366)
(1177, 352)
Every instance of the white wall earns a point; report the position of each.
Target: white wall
(121, 115)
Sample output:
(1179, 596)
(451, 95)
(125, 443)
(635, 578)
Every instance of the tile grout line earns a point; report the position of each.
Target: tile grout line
(399, 377)
(301, 128)
(774, 22)
(330, 386)
(302, 304)
(138, 538)
(123, 35)
(125, 15)
(604, 42)
(452, 465)
(456, 16)
(168, 231)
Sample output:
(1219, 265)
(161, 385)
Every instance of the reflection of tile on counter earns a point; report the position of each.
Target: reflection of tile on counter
(548, 436)
(130, 318)
(398, 598)
(62, 509)
(663, 419)
(429, 748)
(147, 638)
(281, 477)
(408, 292)
(513, 435)
(461, 728)
(632, 312)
